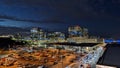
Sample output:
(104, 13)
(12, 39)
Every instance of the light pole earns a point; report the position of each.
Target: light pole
(62, 60)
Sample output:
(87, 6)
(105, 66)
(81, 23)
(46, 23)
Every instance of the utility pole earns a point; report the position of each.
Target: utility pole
(62, 60)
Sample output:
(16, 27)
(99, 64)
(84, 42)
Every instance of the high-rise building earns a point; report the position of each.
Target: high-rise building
(85, 32)
(57, 36)
(37, 34)
(77, 31)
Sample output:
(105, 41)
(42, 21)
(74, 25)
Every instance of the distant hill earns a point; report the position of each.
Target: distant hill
(11, 30)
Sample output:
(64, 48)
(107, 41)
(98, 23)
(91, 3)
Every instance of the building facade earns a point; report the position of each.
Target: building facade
(38, 34)
(77, 31)
(56, 36)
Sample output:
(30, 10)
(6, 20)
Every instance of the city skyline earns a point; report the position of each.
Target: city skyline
(100, 17)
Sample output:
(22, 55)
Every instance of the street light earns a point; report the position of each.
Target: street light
(62, 60)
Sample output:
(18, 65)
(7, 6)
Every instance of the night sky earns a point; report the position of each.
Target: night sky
(101, 17)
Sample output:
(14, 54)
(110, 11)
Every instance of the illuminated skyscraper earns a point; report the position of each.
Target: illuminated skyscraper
(37, 34)
(85, 32)
(77, 31)
(56, 36)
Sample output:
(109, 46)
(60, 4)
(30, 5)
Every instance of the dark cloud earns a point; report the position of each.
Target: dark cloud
(11, 30)
(6, 17)
(100, 16)
(2, 20)
(50, 20)
(76, 9)
(2, 17)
